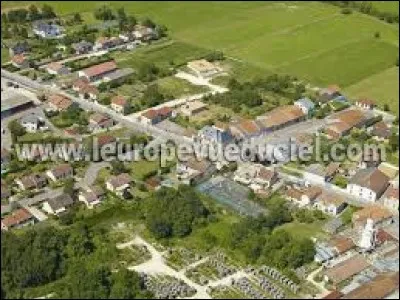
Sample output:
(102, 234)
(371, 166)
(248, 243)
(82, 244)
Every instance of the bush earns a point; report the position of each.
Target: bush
(346, 11)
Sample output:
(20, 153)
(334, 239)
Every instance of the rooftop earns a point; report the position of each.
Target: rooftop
(100, 69)
(17, 217)
(347, 269)
(370, 178)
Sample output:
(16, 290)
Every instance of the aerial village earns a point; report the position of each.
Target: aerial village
(84, 90)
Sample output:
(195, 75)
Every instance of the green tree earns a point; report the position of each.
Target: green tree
(16, 130)
(77, 18)
(69, 187)
(48, 12)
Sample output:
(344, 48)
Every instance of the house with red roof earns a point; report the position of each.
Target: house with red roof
(20, 61)
(97, 72)
(58, 102)
(17, 219)
(365, 104)
(120, 104)
(154, 116)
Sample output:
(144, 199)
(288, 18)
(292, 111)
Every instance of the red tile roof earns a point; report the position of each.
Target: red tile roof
(100, 69)
(119, 100)
(18, 59)
(61, 102)
(17, 217)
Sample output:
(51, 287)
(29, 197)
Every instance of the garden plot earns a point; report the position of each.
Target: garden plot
(167, 287)
(178, 258)
(215, 267)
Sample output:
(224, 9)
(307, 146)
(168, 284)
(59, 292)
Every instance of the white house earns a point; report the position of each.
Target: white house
(365, 104)
(194, 169)
(203, 68)
(306, 105)
(119, 104)
(47, 30)
(56, 68)
(58, 205)
(330, 203)
(390, 198)
(92, 196)
(119, 184)
(303, 196)
(32, 123)
(368, 184)
(60, 172)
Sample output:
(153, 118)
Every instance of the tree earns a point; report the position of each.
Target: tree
(394, 142)
(69, 187)
(16, 130)
(33, 13)
(148, 23)
(23, 32)
(77, 18)
(118, 167)
(121, 14)
(127, 285)
(48, 12)
(377, 34)
(386, 107)
(340, 181)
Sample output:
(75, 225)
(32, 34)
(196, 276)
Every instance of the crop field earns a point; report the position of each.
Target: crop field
(311, 40)
(379, 87)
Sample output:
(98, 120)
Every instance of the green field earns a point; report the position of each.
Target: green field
(386, 6)
(379, 87)
(311, 40)
(177, 87)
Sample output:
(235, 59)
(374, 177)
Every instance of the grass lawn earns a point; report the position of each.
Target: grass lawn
(143, 167)
(382, 87)
(164, 54)
(177, 87)
(5, 56)
(386, 6)
(303, 230)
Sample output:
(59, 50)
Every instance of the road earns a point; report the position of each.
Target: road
(128, 121)
(319, 285)
(156, 266)
(91, 173)
(201, 81)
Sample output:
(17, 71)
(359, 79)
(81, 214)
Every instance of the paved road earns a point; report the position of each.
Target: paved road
(91, 173)
(128, 121)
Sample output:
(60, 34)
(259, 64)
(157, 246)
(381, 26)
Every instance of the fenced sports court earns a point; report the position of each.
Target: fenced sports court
(232, 194)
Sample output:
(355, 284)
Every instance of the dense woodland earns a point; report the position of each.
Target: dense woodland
(79, 259)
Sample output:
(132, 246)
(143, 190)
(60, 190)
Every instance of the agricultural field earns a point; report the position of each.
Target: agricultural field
(311, 40)
(386, 6)
(380, 87)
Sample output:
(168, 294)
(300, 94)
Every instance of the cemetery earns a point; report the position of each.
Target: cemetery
(167, 287)
(214, 268)
(178, 258)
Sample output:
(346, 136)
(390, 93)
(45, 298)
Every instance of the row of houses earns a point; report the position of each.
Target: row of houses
(38, 181)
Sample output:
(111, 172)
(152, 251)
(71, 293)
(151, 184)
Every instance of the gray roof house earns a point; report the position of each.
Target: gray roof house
(305, 104)
(58, 205)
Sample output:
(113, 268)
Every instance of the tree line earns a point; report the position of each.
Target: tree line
(78, 260)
